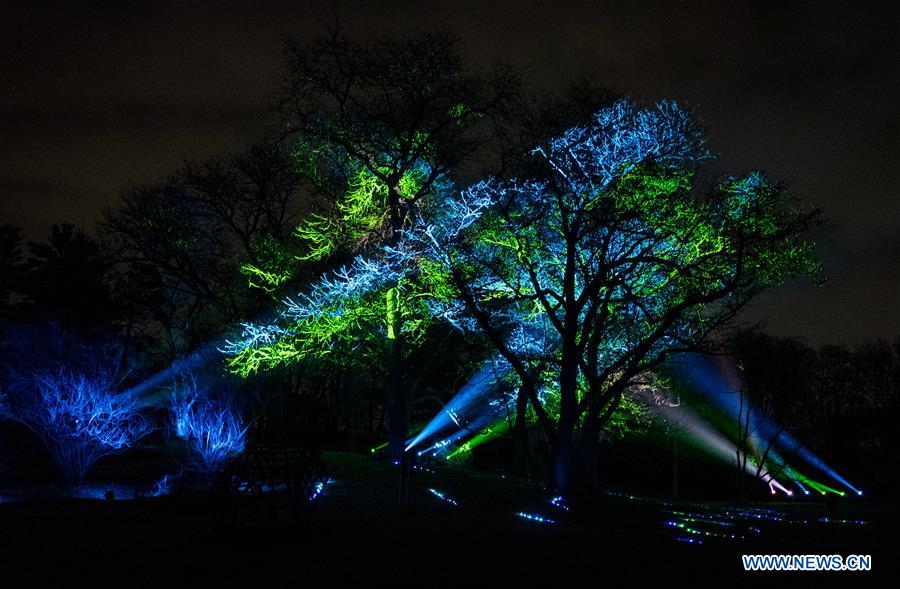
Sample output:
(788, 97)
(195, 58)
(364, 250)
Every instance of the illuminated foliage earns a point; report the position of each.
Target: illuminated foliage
(275, 264)
(213, 429)
(604, 257)
(80, 417)
(351, 303)
(593, 268)
(377, 128)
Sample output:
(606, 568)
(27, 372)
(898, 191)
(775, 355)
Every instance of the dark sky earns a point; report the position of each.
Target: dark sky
(98, 95)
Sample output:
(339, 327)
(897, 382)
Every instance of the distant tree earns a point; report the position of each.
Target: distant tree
(779, 385)
(10, 263)
(184, 248)
(64, 279)
(838, 399)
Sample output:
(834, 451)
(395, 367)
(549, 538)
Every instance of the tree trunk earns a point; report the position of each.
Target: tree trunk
(520, 435)
(568, 415)
(588, 452)
(349, 413)
(676, 458)
(395, 401)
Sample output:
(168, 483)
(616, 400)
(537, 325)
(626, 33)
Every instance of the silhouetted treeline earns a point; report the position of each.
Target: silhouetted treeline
(841, 401)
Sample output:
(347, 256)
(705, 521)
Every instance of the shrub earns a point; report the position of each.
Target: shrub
(80, 417)
(213, 428)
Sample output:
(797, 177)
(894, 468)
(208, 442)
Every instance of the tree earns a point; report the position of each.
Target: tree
(379, 128)
(778, 377)
(53, 269)
(185, 247)
(10, 262)
(605, 256)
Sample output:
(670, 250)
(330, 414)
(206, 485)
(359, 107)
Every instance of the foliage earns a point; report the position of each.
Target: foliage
(10, 261)
(79, 416)
(604, 257)
(183, 247)
(212, 427)
(69, 256)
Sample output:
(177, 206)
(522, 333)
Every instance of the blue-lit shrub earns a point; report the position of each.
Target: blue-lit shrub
(213, 428)
(80, 417)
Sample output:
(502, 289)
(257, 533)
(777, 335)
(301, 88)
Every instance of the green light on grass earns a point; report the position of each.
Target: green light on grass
(483, 436)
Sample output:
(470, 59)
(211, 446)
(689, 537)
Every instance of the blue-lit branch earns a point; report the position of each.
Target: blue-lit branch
(80, 417)
(334, 293)
(213, 429)
(590, 158)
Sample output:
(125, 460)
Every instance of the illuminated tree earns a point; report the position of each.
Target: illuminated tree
(379, 128)
(605, 256)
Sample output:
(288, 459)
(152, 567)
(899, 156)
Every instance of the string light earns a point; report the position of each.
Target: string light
(536, 518)
(444, 497)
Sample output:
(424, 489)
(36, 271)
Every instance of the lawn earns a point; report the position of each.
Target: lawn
(459, 526)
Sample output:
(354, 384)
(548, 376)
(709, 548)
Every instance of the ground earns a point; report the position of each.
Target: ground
(357, 531)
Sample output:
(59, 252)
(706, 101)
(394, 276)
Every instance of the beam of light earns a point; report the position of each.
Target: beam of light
(435, 448)
(472, 394)
(202, 356)
(719, 380)
(479, 423)
(817, 486)
(792, 445)
(703, 435)
(800, 486)
(480, 438)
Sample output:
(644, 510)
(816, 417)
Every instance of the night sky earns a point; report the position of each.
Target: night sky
(105, 94)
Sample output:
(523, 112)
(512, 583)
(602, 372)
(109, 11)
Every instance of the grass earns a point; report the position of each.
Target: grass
(359, 531)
